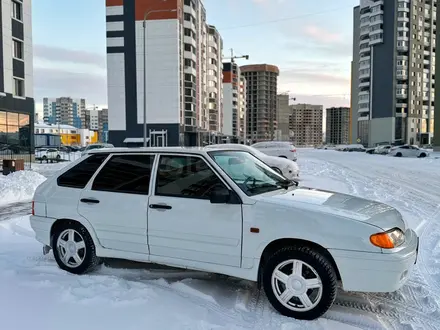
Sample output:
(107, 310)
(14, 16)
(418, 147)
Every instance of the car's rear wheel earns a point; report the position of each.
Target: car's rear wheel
(398, 154)
(73, 248)
(300, 282)
(422, 155)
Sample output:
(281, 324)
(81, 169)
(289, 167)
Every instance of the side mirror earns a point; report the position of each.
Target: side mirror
(220, 195)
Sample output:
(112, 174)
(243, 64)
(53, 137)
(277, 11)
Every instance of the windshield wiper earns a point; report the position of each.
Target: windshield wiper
(265, 186)
(286, 184)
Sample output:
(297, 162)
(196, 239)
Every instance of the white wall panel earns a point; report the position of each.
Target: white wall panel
(28, 50)
(7, 45)
(115, 26)
(163, 81)
(115, 42)
(114, 10)
(116, 91)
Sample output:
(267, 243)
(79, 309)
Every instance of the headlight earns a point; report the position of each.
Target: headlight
(389, 239)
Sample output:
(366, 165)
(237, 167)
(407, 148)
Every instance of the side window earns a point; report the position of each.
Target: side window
(79, 175)
(128, 174)
(185, 176)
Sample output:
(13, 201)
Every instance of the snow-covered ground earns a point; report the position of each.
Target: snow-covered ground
(35, 294)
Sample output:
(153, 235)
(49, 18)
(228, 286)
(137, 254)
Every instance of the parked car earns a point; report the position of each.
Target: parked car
(47, 154)
(408, 151)
(351, 147)
(283, 149)
(96, 146)
(379, 150)
(286, 167)
(226, 212)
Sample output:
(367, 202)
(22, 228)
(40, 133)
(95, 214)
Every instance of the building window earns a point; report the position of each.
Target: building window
(18, 49)
(17, 10)
(18, 87)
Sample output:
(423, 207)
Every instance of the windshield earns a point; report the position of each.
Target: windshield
(249, 173)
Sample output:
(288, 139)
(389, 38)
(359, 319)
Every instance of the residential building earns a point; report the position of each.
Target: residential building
(183, 69)
(306, 124)
(261, 98)
(396, 71)
(97, 120)
(234, 103)
(64, 110)
(337, 125)
(17, 106)
(283, 116)
(68, 135)
(436, 137)
(354, 101)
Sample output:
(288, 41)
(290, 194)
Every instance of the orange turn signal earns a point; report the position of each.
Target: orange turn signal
(382, 240)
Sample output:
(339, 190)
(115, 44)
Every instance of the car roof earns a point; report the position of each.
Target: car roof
(190, 150)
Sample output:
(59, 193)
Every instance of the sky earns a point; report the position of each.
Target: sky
(310, 41)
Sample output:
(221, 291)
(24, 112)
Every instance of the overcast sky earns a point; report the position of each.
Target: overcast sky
(310, 41)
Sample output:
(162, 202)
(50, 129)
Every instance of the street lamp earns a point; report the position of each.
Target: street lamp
(145, 66)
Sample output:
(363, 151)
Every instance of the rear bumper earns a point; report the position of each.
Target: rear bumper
(377, 272)
(41, 227)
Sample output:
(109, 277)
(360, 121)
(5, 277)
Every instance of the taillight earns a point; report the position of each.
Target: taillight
(292, 150)
(33, 209)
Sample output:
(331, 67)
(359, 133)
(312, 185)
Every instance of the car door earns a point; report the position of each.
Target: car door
(116, 202)
(183, 223)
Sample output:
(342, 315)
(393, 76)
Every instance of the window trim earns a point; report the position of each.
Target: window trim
(89, 185)
(20, 3)
(81, 160)
(13, 49)
(24, 88)
(214, 170)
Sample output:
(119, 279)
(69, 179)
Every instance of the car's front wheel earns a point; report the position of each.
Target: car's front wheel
(73, 248)
(300, 282)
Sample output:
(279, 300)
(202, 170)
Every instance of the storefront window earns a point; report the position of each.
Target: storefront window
(15, 131)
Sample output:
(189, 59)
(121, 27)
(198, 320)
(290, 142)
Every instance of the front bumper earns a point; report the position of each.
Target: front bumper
(377, 272)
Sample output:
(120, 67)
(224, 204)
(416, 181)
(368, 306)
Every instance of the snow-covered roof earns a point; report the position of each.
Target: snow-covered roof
(41, 124)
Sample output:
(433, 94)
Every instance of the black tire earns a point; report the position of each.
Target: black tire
(398, 154)
(323, 268)
(422, 155)
(90, 262)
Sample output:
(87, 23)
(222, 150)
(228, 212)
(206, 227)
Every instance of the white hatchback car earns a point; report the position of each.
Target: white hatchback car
(224, 212)
(283, 149)
(286, 167)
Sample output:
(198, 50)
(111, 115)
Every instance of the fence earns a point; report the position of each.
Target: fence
(26, 154)
(51, 155)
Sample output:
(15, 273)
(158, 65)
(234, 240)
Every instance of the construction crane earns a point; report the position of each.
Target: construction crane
(232, 58)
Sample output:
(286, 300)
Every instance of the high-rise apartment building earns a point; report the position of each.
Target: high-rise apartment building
(234, 102)
(306, 124)
(64, 111)
(261, 98)
(17, 109)
(97, 120)
(337, 125)
(283, 116)
(396, 71)
(183, 69)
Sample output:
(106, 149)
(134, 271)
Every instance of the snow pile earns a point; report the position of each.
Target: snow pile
(19, 186)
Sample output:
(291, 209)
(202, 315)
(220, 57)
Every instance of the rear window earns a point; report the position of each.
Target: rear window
(79, 175)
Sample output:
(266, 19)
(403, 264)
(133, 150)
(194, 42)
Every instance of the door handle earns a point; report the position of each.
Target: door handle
(160, 206)
(89, 200)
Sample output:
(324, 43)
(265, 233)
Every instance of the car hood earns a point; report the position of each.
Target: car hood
(338, 204)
